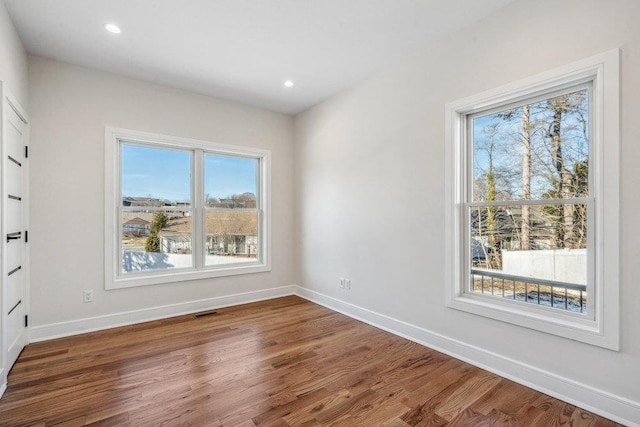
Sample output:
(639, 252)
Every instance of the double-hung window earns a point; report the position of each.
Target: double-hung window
(180, 209)
(533, 202)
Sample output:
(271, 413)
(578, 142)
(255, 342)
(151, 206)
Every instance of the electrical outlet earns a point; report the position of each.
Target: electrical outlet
(87, 295)
(347, 284)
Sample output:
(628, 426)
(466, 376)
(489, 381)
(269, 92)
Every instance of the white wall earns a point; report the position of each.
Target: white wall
(70, 107)
(13, 59)
(370, 192)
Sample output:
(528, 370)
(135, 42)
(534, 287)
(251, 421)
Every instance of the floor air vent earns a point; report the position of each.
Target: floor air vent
(205, 313)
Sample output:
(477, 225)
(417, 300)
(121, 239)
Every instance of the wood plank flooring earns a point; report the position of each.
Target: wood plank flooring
(282, 362)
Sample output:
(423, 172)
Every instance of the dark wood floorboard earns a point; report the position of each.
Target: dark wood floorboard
(282, 362)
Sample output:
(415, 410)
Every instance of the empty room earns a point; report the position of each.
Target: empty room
(319, 212)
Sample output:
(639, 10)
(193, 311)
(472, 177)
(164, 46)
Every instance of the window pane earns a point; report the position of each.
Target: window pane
(230, 182)
(536, 254)
(231, 236)
(536, 151)
(231, 223)
(155, 176)
(156, 240)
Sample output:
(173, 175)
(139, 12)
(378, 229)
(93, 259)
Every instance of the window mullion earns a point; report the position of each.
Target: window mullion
(197, 188)
(532, 202)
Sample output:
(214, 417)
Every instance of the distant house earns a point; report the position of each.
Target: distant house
(179, 243)
(228, 232)
(137, 227)
(232, 232)
(143, 201)
(238, 201)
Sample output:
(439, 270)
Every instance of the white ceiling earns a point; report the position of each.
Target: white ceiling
(242, 50)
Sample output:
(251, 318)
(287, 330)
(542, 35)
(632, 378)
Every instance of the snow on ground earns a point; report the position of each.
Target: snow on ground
(145, 261)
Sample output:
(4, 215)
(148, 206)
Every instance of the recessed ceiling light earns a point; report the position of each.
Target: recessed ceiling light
(288, 83)
(112, 28)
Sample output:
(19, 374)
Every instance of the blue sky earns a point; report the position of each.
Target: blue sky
(225, 176)
(507, 148)
(165, 174)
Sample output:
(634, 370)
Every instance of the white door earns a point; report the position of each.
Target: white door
(15, 234)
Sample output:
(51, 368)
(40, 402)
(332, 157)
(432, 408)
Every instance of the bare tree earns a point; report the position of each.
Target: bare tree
(535, 151)
(566, 180)
(525, 237)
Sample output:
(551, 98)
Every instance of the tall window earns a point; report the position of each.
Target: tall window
(181, 209)
(529, 202)
(533, 202)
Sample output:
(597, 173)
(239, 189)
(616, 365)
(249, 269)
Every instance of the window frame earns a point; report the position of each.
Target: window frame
(588, 201)
(114, 278)
(600, 328)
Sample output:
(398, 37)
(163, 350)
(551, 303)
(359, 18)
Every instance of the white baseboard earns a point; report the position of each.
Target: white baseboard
(600, 402)
(75, 327)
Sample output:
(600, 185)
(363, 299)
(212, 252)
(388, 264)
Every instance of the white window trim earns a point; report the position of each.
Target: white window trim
(603, 329)
(113, 278)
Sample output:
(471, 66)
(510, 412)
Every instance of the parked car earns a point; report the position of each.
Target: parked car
(479, 252)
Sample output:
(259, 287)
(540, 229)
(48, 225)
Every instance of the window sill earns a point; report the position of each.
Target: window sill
(146, 278)
(547, 320)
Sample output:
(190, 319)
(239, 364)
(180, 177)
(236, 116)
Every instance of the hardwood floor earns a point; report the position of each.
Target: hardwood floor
(284, 362)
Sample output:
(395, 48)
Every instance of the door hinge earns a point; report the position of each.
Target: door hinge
(26, 320)
(26, 236)
(26, 151)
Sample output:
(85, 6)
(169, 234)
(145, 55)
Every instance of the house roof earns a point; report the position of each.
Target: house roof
(136, 221)
(218, 222)
(236, 222)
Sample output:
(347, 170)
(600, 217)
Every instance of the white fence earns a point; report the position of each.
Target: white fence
(563, 265)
